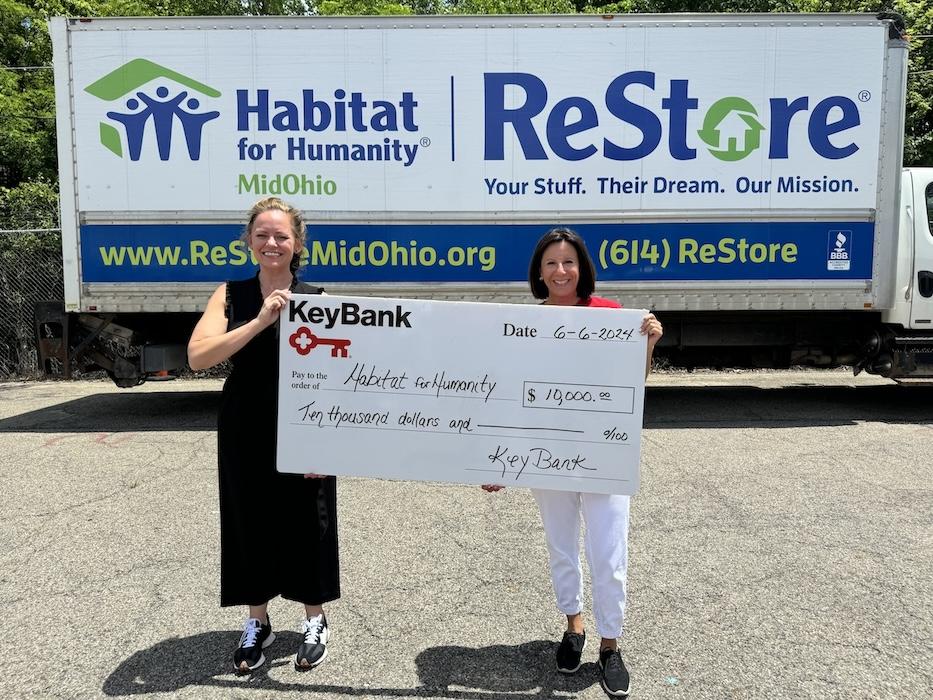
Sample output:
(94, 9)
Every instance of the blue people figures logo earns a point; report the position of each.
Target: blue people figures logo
(159, 108)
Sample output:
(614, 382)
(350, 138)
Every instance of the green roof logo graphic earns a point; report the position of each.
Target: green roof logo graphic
(152, 113)
(731, 129)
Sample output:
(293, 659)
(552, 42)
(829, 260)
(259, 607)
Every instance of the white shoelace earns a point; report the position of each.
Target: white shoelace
(313, 629)
(250, 632)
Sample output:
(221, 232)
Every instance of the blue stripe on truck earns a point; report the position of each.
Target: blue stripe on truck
(487, 252)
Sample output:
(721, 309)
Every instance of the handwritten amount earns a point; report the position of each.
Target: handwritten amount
(336, 416)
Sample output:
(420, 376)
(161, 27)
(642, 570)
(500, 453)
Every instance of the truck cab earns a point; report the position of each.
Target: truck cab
(903, 346)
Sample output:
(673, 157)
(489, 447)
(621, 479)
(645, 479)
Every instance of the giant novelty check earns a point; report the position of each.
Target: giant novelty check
(526, 395)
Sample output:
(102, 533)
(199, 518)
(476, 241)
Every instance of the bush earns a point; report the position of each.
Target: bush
(29, 205)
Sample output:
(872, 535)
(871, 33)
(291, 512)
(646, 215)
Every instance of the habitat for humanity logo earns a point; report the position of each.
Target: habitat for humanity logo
(159, 110)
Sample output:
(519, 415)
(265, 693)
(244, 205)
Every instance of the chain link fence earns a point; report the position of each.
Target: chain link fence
(30, 272)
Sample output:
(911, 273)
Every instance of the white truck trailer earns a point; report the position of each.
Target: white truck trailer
(741, 175)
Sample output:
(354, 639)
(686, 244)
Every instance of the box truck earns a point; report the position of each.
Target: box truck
(740, 175)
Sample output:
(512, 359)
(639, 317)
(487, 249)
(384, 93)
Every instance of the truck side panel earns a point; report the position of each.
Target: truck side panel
(64, 128)
(485, 253)
(692, 174)
(884, 277)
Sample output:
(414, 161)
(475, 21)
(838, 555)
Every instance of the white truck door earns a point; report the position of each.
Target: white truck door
(921, 308)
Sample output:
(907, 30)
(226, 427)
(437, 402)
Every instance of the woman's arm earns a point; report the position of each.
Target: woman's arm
(211, 343)
(651, 327)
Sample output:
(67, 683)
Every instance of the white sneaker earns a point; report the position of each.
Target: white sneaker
(256, 637)
(313, 649)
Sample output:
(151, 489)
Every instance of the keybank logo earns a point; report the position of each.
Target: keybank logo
(348, 314)
(152, 113)
(575, 128)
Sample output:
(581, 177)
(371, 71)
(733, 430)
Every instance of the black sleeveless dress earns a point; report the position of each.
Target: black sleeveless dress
(278, 532)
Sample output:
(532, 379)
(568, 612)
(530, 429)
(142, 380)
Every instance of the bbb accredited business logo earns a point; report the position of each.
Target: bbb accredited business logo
(839, 252)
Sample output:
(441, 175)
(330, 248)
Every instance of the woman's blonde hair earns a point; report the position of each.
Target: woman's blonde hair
(295, 218)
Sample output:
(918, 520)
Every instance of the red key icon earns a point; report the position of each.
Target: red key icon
(304, 341)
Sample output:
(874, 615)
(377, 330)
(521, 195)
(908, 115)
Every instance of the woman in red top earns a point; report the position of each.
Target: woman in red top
(562, 273)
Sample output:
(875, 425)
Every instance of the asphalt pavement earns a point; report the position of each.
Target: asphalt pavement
(780, 547)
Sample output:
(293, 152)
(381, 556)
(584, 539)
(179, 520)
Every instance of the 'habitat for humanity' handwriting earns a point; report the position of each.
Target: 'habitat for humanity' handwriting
(439, 384)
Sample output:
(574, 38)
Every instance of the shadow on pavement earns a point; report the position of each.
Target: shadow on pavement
(137, 412)
(665, 407)
(500, 669)
(205, 660)
(785, 407)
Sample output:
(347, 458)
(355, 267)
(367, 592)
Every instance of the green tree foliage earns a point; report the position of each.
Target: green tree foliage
(918, 142)
(514, 7)
(27, 107)
(366, 7)
(33, 205)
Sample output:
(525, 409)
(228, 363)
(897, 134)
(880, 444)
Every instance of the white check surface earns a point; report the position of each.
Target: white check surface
(519, 395)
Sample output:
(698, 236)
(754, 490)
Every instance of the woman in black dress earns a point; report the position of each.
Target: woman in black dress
(278, 531)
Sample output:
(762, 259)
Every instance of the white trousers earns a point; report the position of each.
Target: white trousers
(606, 543)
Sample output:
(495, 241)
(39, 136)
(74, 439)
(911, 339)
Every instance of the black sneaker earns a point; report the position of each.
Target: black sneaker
(256, 637)
(313, 649)
(570, 652)
(614, 676)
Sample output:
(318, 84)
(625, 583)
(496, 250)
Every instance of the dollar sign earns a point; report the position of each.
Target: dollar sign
(531, 396)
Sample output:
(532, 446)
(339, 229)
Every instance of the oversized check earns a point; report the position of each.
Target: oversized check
(527, 395)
